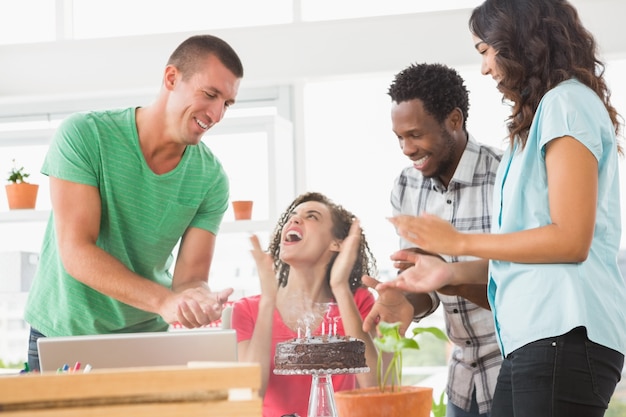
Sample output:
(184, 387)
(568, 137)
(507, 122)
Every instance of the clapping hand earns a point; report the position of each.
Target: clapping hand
(195, 305)
(391, 306)
(428, 273)
(348, 250)
(265, 266)
(429, 232)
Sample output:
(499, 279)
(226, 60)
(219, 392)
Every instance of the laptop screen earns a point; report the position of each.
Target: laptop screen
(128, 350)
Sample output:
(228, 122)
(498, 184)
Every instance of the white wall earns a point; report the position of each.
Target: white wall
(49, 77)
(42, 78)
(272, 54)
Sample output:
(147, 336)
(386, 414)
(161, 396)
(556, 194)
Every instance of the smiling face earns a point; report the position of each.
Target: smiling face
(198, 101)
(434, 148)
(307, 235)
(488, 53)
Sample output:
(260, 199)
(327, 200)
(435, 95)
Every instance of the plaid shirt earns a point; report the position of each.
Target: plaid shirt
(467, 204)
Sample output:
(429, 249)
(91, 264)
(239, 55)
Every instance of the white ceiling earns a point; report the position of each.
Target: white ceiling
(278, 54)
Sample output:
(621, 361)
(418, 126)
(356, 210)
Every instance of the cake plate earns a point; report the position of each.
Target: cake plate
(322, 397)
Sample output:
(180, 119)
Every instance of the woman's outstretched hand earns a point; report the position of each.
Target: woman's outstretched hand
(428, 273)
(429, 232)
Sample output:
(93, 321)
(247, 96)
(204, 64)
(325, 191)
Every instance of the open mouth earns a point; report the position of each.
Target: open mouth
(202, 125)
(293, 236)
(418, 163)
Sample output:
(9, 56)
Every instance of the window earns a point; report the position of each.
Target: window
(27, 21)
(107, 18)
(349, 9)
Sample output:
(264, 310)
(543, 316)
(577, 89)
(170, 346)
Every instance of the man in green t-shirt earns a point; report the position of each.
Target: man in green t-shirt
(126, 185)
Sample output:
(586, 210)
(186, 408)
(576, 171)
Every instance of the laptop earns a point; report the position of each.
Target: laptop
(128, 350)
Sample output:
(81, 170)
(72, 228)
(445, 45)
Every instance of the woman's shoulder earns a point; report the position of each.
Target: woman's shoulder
(571, 98)
(571, 91)
(247, 302)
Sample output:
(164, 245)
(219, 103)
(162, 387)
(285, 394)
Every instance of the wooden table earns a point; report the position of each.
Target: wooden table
(201, 389)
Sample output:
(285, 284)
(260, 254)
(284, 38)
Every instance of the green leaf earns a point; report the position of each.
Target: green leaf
(17, 175)
(389, 329)
(439, 409)
(391, 341)
(438, 333)
(407, 344)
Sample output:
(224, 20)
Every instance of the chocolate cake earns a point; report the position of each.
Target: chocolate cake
(320, 352)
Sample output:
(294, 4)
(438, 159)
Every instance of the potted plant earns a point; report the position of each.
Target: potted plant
(242, 209)
(20, 193)
(390, 397)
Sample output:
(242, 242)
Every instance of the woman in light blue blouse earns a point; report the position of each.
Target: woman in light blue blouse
(553, 282)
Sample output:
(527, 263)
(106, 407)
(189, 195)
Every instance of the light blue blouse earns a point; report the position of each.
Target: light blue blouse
(536, 301)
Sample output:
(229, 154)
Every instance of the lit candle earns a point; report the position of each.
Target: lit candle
(308, 332)
(323, 328)
(299, 336)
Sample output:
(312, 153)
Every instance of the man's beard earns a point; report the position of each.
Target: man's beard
(448, 160)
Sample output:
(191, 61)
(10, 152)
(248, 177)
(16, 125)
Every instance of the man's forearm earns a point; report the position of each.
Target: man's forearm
(422, 304)
(476, 293)
(470, 272)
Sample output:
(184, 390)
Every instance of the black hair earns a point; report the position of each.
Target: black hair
(440, 88)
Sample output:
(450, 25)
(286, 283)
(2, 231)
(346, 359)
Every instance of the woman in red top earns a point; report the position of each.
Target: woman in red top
(317, 255)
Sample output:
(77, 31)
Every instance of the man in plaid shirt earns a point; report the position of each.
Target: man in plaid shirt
(451, 176)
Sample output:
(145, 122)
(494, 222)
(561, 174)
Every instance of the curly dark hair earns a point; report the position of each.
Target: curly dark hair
(365, 263)
(539, 44)
(440, 88)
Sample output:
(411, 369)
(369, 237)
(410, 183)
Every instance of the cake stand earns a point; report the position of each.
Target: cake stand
(322, 397)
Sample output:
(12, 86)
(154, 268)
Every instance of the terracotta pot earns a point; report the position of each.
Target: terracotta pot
(370, 402)
(22, 195)
(242, 209)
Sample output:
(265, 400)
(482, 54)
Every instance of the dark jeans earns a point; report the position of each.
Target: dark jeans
(563, 376)
(33, 352)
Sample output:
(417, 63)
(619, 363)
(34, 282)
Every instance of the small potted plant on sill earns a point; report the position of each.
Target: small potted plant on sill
(390, 397)
(20, 193)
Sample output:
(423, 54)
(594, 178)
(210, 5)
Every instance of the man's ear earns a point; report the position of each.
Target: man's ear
(455, 119)
(170, 77)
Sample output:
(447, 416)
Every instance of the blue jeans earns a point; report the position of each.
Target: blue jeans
(33, 351)
(454, 411)
(562, 376)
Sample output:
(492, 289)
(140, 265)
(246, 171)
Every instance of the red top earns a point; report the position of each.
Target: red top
(288, 394)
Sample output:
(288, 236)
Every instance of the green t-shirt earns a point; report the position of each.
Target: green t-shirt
(143, 217)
